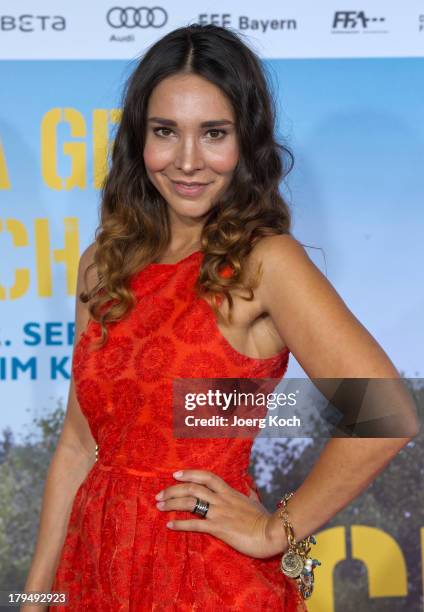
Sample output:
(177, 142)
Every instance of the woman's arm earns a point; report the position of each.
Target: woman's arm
(73, 458)
(328, 342)
(68, 468)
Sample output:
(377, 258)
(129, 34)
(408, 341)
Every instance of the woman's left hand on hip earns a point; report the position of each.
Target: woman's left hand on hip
(237, 519)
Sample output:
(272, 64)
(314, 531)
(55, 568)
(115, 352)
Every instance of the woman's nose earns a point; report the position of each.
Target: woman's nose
(188, 155)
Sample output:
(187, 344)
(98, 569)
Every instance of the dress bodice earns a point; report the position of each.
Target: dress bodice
(125, 388)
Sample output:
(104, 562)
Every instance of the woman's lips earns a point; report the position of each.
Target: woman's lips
(192, 190)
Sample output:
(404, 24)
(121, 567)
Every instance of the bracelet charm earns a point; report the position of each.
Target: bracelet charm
(292, 564)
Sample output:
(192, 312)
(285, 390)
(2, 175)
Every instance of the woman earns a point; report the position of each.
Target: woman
(192, 225)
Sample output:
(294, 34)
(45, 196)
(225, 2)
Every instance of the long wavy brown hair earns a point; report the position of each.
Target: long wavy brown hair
(134, 226)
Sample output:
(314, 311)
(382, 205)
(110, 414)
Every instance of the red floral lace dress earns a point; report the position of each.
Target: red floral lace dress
(118, 554)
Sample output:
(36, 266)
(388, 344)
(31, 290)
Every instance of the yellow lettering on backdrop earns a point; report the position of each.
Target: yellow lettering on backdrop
(42, 257)
(330, 549)
(381, 554)
(19, 239)
(102, 146)
(384, 561)
(75, 150)
(69, 255)
(4, 175)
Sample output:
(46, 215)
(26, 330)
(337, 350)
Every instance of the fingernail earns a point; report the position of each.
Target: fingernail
(159, 495)
(160, 505)
(177, 474)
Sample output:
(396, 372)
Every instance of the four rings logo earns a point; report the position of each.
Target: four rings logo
(141, 17)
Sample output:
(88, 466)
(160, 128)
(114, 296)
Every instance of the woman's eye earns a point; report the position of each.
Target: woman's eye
(215, 134)
(223, 132)
(161, 129)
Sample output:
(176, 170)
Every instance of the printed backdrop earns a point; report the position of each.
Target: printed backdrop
(349, 85)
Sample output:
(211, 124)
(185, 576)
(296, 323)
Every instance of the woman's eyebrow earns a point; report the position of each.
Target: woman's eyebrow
(172, 123)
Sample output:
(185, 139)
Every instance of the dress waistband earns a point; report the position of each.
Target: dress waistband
(165, 473)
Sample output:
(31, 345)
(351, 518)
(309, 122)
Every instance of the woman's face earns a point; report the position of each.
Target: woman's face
(190, 139)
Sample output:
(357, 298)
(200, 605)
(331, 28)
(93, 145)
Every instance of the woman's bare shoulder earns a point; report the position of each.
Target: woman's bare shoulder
(277, 252)
(271, 246)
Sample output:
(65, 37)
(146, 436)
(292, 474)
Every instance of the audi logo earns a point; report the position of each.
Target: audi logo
(142, 17)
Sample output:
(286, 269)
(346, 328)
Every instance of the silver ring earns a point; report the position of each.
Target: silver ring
(201, 507)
